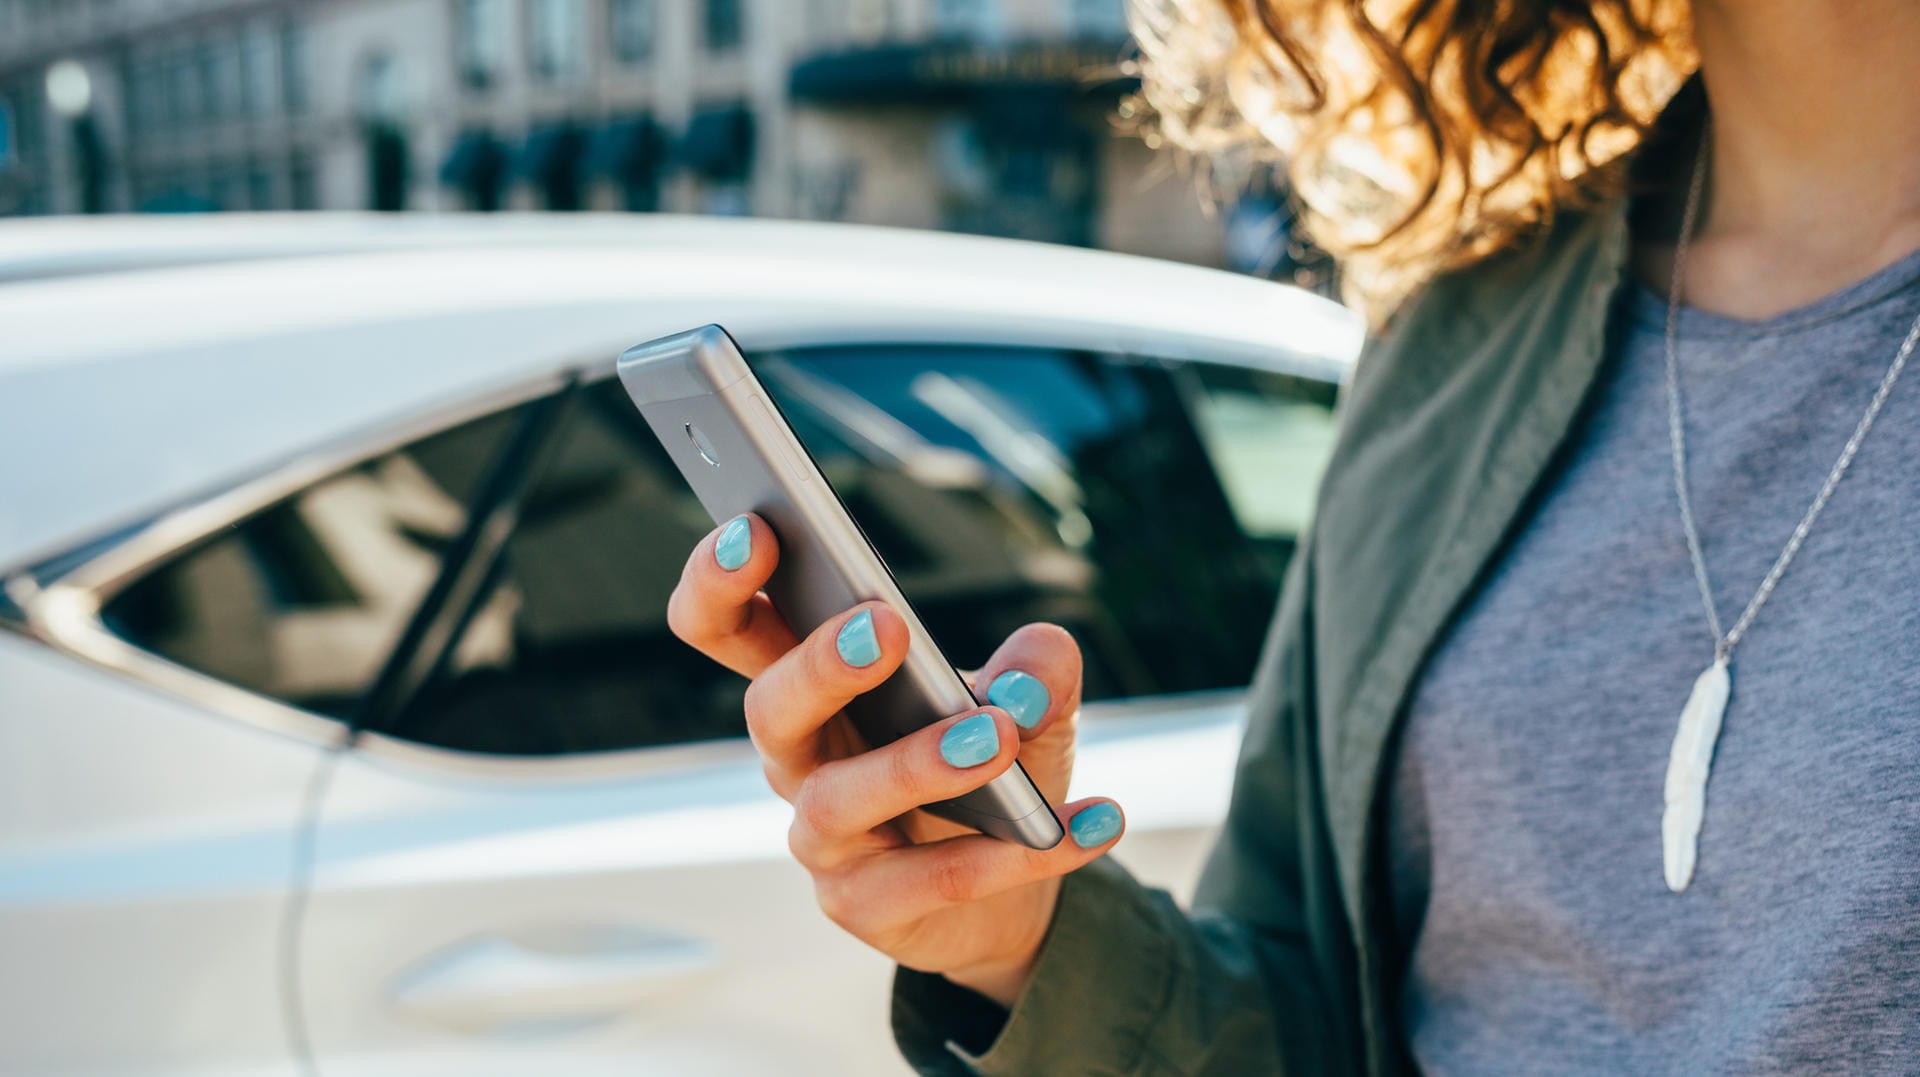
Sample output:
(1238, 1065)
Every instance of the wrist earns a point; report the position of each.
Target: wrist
(1003, 978)
(1001, 983)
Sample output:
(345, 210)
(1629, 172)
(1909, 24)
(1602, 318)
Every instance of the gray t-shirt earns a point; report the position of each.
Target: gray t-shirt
(1523, 826)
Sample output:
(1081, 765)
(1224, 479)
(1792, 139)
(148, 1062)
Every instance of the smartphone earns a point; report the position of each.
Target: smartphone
(729, 439)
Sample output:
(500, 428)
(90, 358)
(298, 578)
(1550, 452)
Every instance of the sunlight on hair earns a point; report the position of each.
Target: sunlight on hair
(1418, 136)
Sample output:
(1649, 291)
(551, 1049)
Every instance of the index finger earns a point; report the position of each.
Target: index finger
(717, 607)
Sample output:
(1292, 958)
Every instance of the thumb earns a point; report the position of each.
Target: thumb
(1035, 678)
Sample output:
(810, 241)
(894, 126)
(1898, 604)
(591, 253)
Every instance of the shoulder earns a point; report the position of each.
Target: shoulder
(1448, 415)
(1514, 308)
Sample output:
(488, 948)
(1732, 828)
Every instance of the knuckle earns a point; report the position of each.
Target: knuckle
(754, 706)
(783, 781)
(813, 811)
(905, 777)
(952, 879)
(1043, 864)
(823, 666)
(683, 619)
(835, 898)
(800, 843)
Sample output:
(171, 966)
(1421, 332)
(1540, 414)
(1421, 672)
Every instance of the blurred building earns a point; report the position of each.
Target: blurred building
(990, 116)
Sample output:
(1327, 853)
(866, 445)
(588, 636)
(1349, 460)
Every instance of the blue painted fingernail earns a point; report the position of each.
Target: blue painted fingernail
(1021, 695)
(856, 642)
(734, 545)
(970, 741)
(1095, 826)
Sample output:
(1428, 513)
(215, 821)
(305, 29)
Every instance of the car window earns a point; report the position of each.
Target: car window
(1148, 507)
(1012, 485)
(1269, 436)
(572, 652)
(304, 600)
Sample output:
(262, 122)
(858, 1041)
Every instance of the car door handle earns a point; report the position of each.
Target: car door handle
(552, 976)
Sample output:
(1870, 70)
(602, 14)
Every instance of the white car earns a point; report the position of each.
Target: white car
(237, 453)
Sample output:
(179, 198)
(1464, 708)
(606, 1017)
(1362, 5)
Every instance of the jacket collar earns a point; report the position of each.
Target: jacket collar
(1537, 367)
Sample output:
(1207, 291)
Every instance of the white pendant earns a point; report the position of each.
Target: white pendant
(1687, 770)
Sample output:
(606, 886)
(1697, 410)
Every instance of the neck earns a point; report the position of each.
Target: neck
(1816, 116)
(1815, 179)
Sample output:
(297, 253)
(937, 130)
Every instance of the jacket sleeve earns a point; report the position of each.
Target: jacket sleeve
(1130, 985)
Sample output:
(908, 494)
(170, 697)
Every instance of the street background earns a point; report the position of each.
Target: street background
(307, 315)
(1000, 117)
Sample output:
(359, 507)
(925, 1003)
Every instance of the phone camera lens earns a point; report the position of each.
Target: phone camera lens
(702, 446)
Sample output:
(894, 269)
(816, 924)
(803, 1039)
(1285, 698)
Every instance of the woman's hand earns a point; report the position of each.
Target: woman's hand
(931, 894)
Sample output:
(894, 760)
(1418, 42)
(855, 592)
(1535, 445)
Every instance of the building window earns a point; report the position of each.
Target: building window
(222, 191)
(28, 130)
(260, 193)
(972, 20)
(293, 68)
(184, 90)
(559, 39)
(151, 87)
(230, 75)
(1097, 18)
(724, 25)
(482, 42)
(383, 110)
(624, 161)
(549, 163)
(249, 77)
(130, 109)
(383, 91)
(633, 25)
(476, 167)
(141, 98)
(719, 144)
(1038, 181)
(303, 183)
(213, 96)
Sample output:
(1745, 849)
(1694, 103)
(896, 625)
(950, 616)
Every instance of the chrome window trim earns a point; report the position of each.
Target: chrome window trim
(1105, 720)
(65, 612)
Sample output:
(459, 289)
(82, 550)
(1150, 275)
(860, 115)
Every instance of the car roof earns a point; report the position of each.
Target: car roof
(148, 360)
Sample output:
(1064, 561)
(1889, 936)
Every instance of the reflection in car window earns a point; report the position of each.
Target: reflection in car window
(303, 601)
(1012, 485)
(572, 653)
(1269, 436)
(1149, 508)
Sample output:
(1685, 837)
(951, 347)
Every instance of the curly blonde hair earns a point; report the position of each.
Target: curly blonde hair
(1418, 136)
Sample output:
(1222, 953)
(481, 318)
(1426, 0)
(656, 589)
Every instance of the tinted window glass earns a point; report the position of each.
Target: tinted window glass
(1148, 508)
(304, 600)
(1269, 436)
(724, 24)
(1006, 486)
(572, 651)
(1002, 486)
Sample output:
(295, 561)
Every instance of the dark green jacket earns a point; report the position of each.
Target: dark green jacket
(1286, 964)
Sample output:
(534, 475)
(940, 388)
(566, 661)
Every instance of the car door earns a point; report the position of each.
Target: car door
(154, 766)
(556, 848)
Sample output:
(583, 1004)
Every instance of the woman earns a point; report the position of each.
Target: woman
(1591, 475)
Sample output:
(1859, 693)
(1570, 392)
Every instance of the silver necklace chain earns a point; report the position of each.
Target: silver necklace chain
(1724, 641)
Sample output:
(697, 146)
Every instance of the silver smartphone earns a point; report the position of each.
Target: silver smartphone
(727, 436)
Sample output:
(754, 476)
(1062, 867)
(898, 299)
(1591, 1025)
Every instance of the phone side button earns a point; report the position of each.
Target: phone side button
(795, 467)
